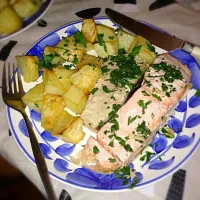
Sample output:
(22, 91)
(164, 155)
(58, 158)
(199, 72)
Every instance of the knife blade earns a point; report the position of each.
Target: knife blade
(156, 37)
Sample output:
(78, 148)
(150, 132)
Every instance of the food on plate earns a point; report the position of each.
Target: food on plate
(3, 3)
(120, 75)
(147, 50)
(61, 123)
(91, 60)
(29, 68)
(10, 21)
(56, 59)
(125, 40)
(99, 158)
(75, 99)
(74, 133)
(89, 29)
(13, 12)
(106, 49)
(52, 84)
(63, 76)
(86, 77)
(136, 123)
(105, 33)
(106, 41)
(53, 105)
(26, 8)
(34, 97)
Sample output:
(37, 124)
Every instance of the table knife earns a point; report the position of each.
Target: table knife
(156, 37)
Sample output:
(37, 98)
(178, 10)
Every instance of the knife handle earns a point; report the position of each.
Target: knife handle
(192, 49)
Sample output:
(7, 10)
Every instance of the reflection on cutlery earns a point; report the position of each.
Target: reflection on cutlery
(12, 98)
(156, 37)
(88, 13)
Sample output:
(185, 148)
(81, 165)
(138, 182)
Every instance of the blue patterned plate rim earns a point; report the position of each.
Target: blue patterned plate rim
(31, 20)
(138, 186)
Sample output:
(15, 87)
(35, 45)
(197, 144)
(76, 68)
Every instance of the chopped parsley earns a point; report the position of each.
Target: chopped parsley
(106, 131)
(112, 160)
(110, 37)
(148, 83)
(106, 90)
(147, 156)
(134, 183)
(167, 132)
(79, 38)
(36, 105)
(124, 173)
(104, 69)
(75, 61)
(171, 73)
(94, 90)
(136, 50)
(143, 130)
(127, 147)
(127, 70)
(151, 48)
(111, 144)
(101, 41)
(95, 150)
(46, 62)
(101, 124)
(144, 105)
(131, 119)
(145, 93)
(157, 97)
(197, 93)
(68, 67)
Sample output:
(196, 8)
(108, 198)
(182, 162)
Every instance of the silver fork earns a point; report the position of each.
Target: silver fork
(12, 98)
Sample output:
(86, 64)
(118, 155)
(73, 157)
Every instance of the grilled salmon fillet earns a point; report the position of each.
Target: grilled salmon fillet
(136, 123)
(101, 103)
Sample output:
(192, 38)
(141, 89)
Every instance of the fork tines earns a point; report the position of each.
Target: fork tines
(11, 83)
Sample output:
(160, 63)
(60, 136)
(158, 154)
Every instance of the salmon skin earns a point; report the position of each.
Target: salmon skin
(136, 123)
(101, 103)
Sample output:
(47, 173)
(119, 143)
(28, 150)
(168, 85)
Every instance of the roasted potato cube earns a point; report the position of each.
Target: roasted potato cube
(69, 43)
(52, 83)
(110, 49)
(89, 59)
(9, 21)
(63, 76)
(3, 3)
(57, 59)
(89, 47)
(74, 133)
(62, 122)
(125, 40)
(147, 55)
(34, 97)
(29, 68)
(105, 33)
(74, 56)
(75, 99)
(139, 40)
(89, 29)
(53, 105)
(25, 8)
(86, 78)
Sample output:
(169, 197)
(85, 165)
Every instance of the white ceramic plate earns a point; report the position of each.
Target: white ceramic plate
(174, 152)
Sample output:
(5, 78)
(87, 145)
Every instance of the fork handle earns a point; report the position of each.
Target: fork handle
(39, 160)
